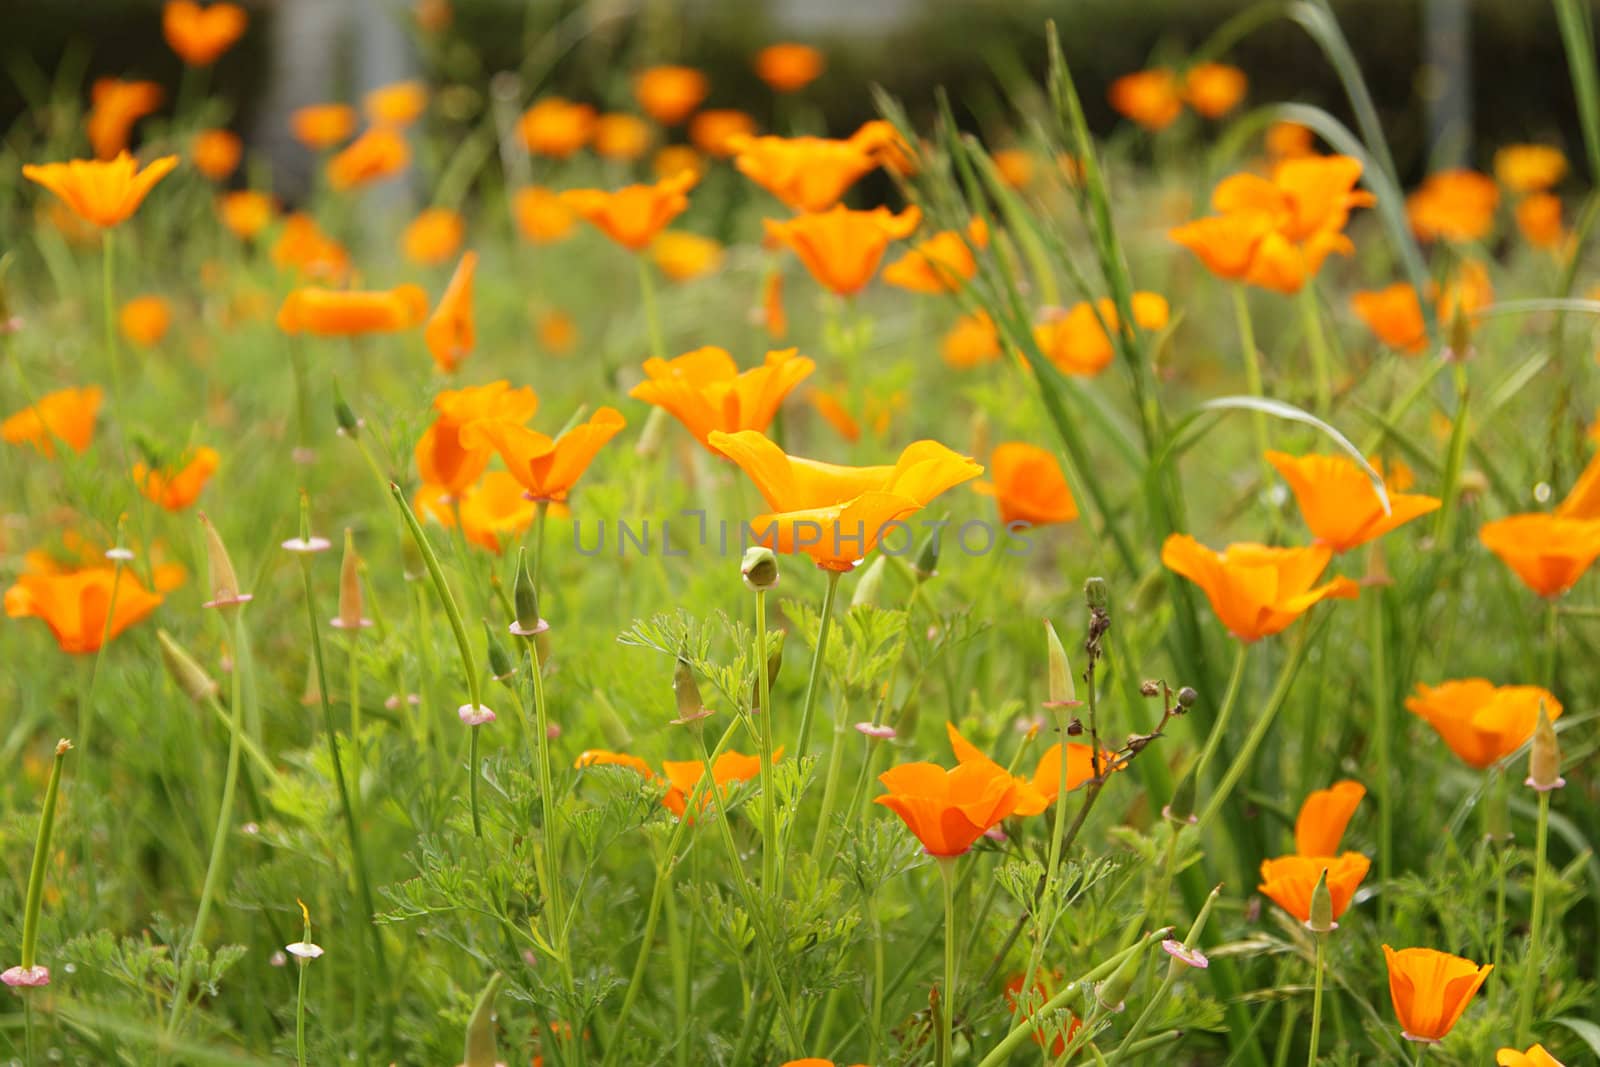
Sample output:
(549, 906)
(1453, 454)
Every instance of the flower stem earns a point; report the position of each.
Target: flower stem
(109, 310)
(472, 780)
(1252, 377)
(1311, 320)
(769, 814)
(300, 1015)
(41, 857)
(947, 1002)
(1219, 728)
(652, 316)
(1316, 1002)
(1381, 729)
(817, 657)
(1046, 906)
(541, 513)
(1530, 971)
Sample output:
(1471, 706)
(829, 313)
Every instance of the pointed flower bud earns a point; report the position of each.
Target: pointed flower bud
(480, 1050)
(1321, 920)
(1062, 692)
(1114, 990)
(870, 584)
(928, 556)
(1544, 757)
(690, 707)
(500, 664)
(190, 678)
(1180, 809)
(224, 582)
(350, 588)
(1097, 594)
(759, 568)
(525, 598)
(349, 425)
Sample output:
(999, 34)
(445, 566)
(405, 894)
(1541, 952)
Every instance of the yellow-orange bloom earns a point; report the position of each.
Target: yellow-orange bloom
(145, 319)
(303, 247)
(726, 769)
(1539, 219)
(1149, 97)
(1214, 89)
(547, 468)
(842, 248)
(713, 131)
(634, 214)
(201, 34)
(341, 312)
(1548, 552)
(683, 256)
(1529, 168)
(556, 127)
(1038, 793)
(1339, 502)
(1536, 1056)
(971, 342)
(115, 105)
(601, 757)
(216, 153)
(835, 514)
(835, 414)
(1077, 344)
(673, 159)
(558, 332)
(177, 487)
(1016, 167)
(1481, 722)
(1290, 140)
(67, 415)
(942, 263)
(948, 810)
(445, 458)
(451, 333)
(1430, 989)
(670, 94)
(246, 212)
(377, 154)
(490, 509)
(320, 126)
(1453, 205)
(622, 137)
(773, 317)
(1028, 486)
(542, 217)
(398, 104)
(810, 173)
(705, 391)
(1290, 880)
(101, 192)
(789, 67)
(1324, 814)
(1394, 315)
(1256, 590)
(433, 236)
(75, 604)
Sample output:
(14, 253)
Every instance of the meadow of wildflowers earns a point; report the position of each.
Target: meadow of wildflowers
(692, 587)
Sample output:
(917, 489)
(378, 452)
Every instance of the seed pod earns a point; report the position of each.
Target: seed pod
(759, 568)
(500, 664)
(1544, 757)
(525, 598)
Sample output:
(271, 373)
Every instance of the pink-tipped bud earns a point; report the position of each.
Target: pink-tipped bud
(190, 678)
(350, 588)
(225, 591)
(1544, 756)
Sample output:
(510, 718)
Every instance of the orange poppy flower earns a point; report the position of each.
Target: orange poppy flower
(201, 34)
(1214, 89)
(547, 468)
(542, 217)
(246, 212)
(115, 105)
(433, 236)
(556, 127)
(176, 488)
(492, 508)
(948, 810)
(377, 154)
(1394, 314)
(1467, 291)
(836, 514)
(1028, 486)
(558, 332)
(398, 104)
(67, 415)
(601, 757)
(444, 457)
(788, 67)
(321, 126)
(1583, 501)
(74, 604)
(433, 16)
(144, 320)
(810, 173)
(450, 333)
(1430, 990)
(1041, 1028)
(674, 159)
(216, 153)
(1290, 140)
(971, 342)
(683, 256)
(705, 391)
(942, 263)
(101, 192)
(730, 767)
(304, 247)
(1339, 502)
(1255, 590)
(1453, 205)
(1539, 219)
(713, 131)
(634, 214)
(1290, 880)
(1075, 342)
(1016, 167)
(1548, 552)
(835, 414)
(1149, 97)
(842, 248)
(1481, 722)
(622, 137)
(1036, 794)
(1529, 168)
(772, 315)
(345, 312)
(1324, 814)
(670, 94)
(1537, 1056)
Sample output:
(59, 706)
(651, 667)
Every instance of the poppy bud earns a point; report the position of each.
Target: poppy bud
(525, 598)
(1097, 594)
(480, 1050)
(1062, 692)
(224, 582)
(1460, 336)
(1321, 920)
(500, 664)
(1544, 757)
(870, 584)
(1180, 809)
(350, 588)
(190, 678)
(690, 707)
(759, 568)
(928, 557)
(349, 425)
(1114, 990)
(774, 663)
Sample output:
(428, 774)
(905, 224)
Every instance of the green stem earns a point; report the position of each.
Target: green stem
(1219, 728)
(818, 654)
(1552, 622)
(1252, 377)
(947, 1002)
(109, 311)
(541, 513)
(769, 814)
(1316, 1003)
(1382, 713)
(652, 316)
(1046, 907)
(300, 1014)
(472, 779)
(431, 559)
(1311, 320)
(1531, 971)
(547, 798)
(41, 858)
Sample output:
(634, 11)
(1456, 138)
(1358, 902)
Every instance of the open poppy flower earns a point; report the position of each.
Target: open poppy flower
(556, 127)
(216, 153)
(942, 263)
(177, 487)
(201, 34)
(114, 106)
(1430, 990)
(836, 514)
(1536, 1056)
(715, 131)
(1539, 220)
(67, 415)
(683, 256)
(144, 320)
(493, 507)
(1481, 722)
(973, 341)
(321, 126)
(377, 154)
(433, 236)
(1529, 168)
(397, 104)
(1324, 814)
(1256, 590)
(633, 215)
(601, 757)
(542, 217)
(1077, 344)
(1339, 502)
(547, 468)
(1038, 793)
(74, 604)
(304, 248)
(726, 769)
(1453, 205)
(1214, 89)
(622, 137)
(705, 391)
(1289, 881)
(810, 174)
(1290, 140)
(444, 458)
(1149, 97)
(948, 810)
(842, 248)
(102, 193)
(1394, 315)
(347, 312)
(1028, 486)
(246, 212)
(669, 94)
(1548, 552)
(788, 67)
(450, 333)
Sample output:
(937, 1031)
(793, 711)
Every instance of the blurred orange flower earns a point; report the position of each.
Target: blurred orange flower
(634, 214)
(1536, 1056)
(1394, 315)
(175, 488)
(1324, 814)
(1289, 881)
(542, 217)
(1339, 502)
(1256, 590)
(730, 767)
(377, 154)
(398, 104)
(201, 34)
(320, 126)
(942, 263)
(788, 67)
(75, 604)
(971, 342)
(547, 468)
(1481, 722)
(842, 248)
(683, 256)
(600, 757)
(810, 173)
(346, 312)
(948, 810)
(1214, 89)
(433, 236)
(444, 457)
(713, 131)
(772, 315)
(103, 193)
(144, 320)
(1077, 344)
(246, 212)
(115, 105)
(1028, 486)
(705, 391)
(433, 16)
(67, 414)
(1430, 990)
(216, 153)
(450, 332)
(1529, 168)
(670, 94)
(673, 159)
(1043, 1026)
(1016, 167)
(1548, 552)
(1290, 140)
(556, 127)
(1539, 219)
(558, 332)
(1453, 205)
(1149, 97)
(304, 247)
(492, 508)
(622, 137)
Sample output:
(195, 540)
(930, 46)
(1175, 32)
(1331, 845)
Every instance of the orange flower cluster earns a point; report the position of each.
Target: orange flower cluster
(1154, 98)
(1289, 880)
(705, 391)
(1076, 342)
(66, 415)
